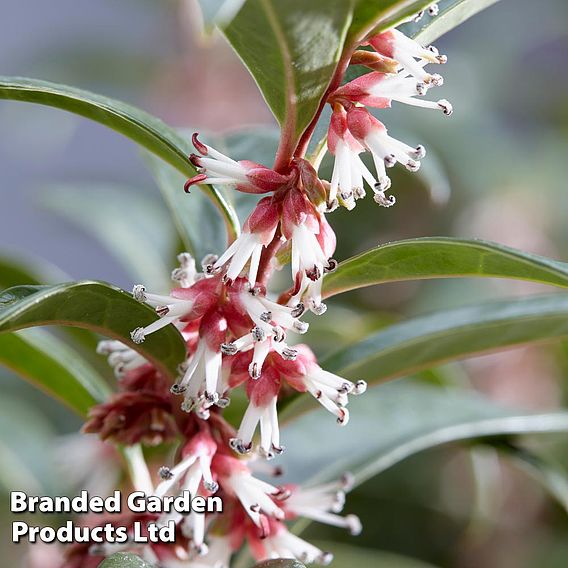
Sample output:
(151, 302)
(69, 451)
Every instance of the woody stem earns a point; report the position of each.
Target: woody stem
(335, 83)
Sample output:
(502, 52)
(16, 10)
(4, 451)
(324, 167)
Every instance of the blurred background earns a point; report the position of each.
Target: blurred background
(496, 170)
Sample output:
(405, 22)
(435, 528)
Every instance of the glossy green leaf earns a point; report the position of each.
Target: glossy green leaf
(452, 14)
(440, 257)
(143, 128)
(36, 271)
(134, 226)
(47, 363)
(95, 306)
(376, 16)
(394, 421)
(427, 341)
(124, 560)
(292, 49)
(379, 15)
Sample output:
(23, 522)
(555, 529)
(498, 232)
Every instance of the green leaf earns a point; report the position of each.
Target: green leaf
(394, 421)
(143, 128)
(95, 306)
(440, 257)
(291, 49)
(427, 341)
(379, 15)
(36, 272)
(133, 225)
(124, 560)
(376, 16)
(452, 14)
(47, 363)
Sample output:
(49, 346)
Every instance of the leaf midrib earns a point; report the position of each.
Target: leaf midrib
(459, 432)
(289, 78)
(553, 267)
(464, 328)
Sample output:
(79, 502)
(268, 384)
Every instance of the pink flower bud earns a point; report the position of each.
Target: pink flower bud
(213, 329)
(326, 237)
(339, 133)
(218, 169)
(361, 123)
(200, 444)
(298, 211)
(310, 182)
(361, 89)
(261, 178)
(406, 51)
(384, 43)
(264, 219)
(263, 390)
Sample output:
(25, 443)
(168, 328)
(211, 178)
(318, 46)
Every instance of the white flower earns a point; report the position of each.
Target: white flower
(256, 496)
(406, 51)
(181, 306)
(310, 292)
(120, 357)
(263, 394)
(202, 381)
(380, 89)
(258, 231)
(281, 543)
(312, 243)
(186, 274)
(271, 321)
(330, 390)
(322, 503)
(194, 468)
(218, 169)
(386, 151)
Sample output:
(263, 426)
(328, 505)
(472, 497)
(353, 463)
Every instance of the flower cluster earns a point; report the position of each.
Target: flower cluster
(238, 336)
(255, 511)
(353, 129)
(235, 335)
(141, 411)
